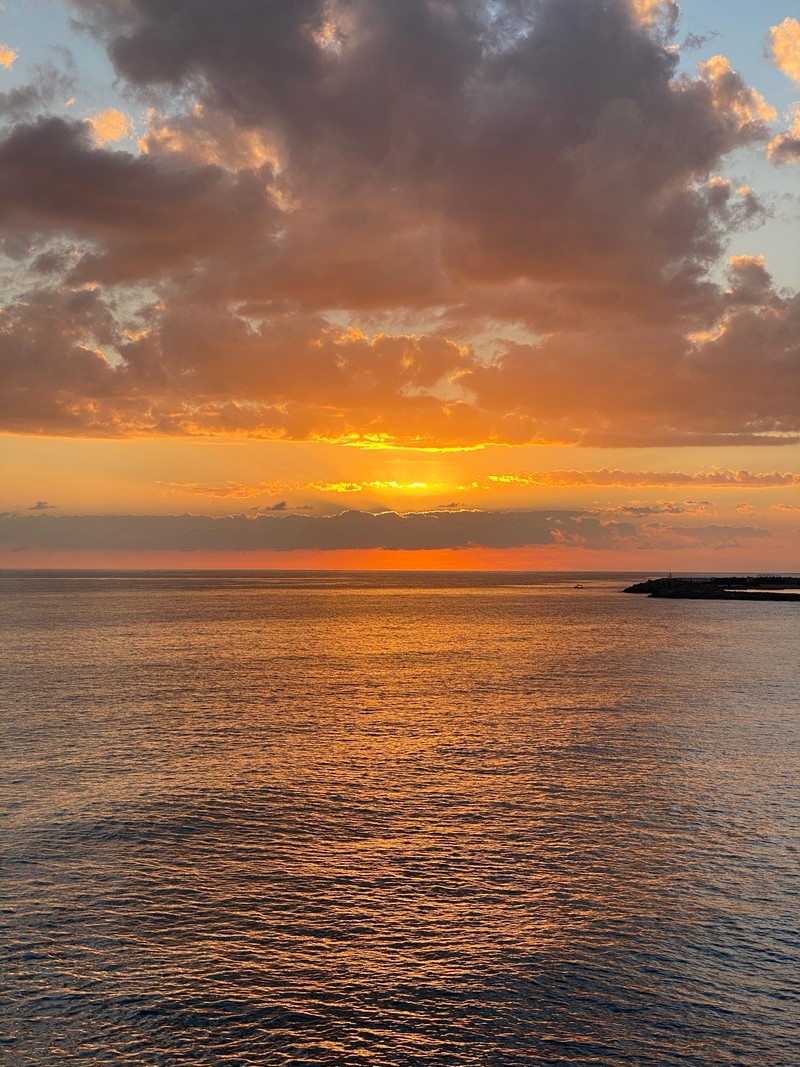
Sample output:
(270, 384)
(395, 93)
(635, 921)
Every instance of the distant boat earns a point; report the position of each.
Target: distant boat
(578, 586)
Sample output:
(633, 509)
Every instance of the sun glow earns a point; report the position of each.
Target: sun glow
(378, 485)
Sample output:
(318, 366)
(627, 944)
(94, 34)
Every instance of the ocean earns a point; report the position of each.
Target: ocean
(396, 819)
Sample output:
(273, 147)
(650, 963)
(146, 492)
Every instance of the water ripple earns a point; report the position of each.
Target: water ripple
(270, 822)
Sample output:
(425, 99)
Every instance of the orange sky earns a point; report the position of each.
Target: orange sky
(518, 559)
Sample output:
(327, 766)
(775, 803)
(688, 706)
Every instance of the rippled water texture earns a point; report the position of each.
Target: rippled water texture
(390, 820)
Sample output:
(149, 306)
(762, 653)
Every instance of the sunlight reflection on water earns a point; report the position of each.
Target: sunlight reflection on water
(394, 820)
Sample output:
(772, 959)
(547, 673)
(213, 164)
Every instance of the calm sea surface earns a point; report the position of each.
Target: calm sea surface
(389, 819)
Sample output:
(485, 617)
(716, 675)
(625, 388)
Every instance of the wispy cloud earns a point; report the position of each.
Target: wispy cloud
(665, 507)
(228, 489)
(716, 478)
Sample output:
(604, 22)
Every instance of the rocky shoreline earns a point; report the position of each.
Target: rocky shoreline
(761, 587)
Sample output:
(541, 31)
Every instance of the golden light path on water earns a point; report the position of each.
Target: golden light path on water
(397, 819)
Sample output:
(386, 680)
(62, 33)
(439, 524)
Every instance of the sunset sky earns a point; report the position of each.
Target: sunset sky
(414, 283)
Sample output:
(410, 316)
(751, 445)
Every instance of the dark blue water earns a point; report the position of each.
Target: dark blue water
(397, 819)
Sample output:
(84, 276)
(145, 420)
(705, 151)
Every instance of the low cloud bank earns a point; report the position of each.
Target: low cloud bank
(354, 530)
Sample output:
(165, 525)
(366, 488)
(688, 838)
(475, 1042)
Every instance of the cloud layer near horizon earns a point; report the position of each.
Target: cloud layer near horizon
(337, 202)
(362, 530)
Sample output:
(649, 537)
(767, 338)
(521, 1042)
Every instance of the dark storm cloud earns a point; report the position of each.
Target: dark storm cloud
(328, 164)
(349, 530)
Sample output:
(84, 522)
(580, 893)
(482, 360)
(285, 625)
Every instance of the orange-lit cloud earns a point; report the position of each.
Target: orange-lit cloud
(7, 56)
(238, 491)
(716, 478)
(785, 148)
(387, 225)
(785, 41)
(732, 95)
(377, 484)
(229, 489)
(648, 11)
(210, 136)
(109, 126)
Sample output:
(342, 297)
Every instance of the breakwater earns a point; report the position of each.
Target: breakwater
(760, 587)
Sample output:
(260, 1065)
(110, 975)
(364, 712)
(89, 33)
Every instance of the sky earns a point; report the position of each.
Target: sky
(496, 284)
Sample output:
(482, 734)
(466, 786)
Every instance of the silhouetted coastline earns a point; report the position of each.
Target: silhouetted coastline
(761, 587)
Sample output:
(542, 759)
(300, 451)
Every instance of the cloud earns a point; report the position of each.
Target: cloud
(731, 94)
(210, 136)
(47, 83)
(717, 478)
(110, 125)
(7, 56)
(196, 371)
(785, 41)
(785, 148)
(653, 11)
(52, 369)
(132, 217)
(41, 505)
(228, 489)
(336, 203)
(660, 535)
(663, 508)
(354, 530)
(281, 506)
(697, 40)
(379, 485)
